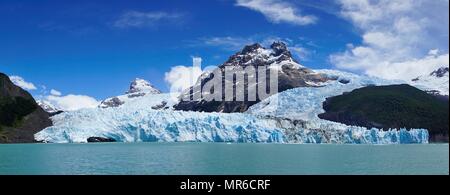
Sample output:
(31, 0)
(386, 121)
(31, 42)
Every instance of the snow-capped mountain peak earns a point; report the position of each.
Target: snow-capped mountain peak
(141, 85)
(290, 75)
(138, 88)
(255, 54)
(435, 82)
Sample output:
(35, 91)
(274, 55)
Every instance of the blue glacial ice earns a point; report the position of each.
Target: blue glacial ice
(287, 117)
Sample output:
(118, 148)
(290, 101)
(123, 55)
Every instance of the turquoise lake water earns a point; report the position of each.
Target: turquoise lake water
(217, 158)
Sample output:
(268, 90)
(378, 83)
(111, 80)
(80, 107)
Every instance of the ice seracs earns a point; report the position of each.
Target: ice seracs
(288, 117)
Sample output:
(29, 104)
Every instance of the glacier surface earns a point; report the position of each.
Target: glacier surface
(287, 117)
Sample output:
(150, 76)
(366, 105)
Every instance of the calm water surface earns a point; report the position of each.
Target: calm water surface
(217, 158)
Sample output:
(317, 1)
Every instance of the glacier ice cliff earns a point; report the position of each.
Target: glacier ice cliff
(287, 117)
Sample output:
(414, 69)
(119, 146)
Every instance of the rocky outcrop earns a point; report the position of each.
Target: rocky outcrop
(112, 102)
(441, 72)
(99, 140)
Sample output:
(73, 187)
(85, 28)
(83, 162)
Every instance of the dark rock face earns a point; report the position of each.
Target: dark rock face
(160, 106)
(55, 113)
(344, 81)
(440, 72)
(113, 102)
(135, 95)
(100, 139)
(394, 106)
(290, 75)
(20, 116)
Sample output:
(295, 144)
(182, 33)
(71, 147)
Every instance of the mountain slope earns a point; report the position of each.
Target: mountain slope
(143, 86)
(290, 75)
(436, 82)
(393, 106)
(20, 116)
(49, 107)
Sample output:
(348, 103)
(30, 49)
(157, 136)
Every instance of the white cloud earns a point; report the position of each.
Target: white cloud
(400, 39)
(19, 81)
(69, 102)
(278, 11)
(410, 69)
(145, 19)
(181, 78)
(72, 102)
(433, 52)
(55, 92)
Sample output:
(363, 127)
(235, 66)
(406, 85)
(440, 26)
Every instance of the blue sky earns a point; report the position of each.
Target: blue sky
(75, 47)
(96, 48)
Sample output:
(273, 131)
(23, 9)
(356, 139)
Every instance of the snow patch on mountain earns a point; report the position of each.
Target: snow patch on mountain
(141, 85)
(138, 88)
(436, 82)
(48, 106)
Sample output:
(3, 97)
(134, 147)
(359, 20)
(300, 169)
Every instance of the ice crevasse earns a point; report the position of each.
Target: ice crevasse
(287, 117)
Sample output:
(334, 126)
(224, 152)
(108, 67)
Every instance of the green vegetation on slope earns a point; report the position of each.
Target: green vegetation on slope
(394, 106)
(12, 110)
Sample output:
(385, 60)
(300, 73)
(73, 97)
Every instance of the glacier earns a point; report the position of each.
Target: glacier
(286, 117)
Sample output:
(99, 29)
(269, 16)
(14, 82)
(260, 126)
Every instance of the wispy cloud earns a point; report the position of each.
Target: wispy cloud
(227, 42)
(19, 81)
(235, 43)
(278, 11)
(55, 92)
(137, 19)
